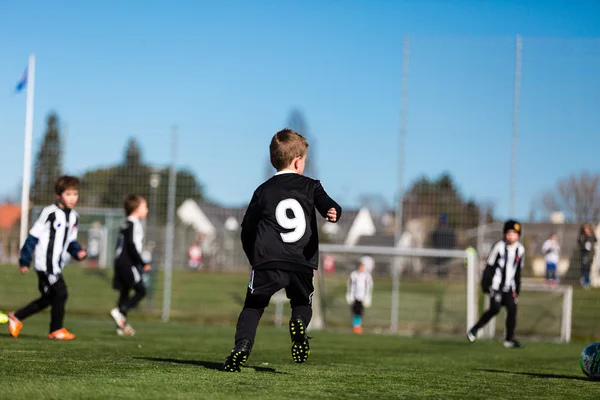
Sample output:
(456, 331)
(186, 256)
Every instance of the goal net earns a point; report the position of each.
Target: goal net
(416, 291)
(544, 312)
(431, 292)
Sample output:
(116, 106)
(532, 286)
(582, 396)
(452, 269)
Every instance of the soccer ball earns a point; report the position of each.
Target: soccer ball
(590, 361)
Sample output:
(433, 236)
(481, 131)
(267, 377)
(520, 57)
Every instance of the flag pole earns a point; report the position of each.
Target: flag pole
(27, 154)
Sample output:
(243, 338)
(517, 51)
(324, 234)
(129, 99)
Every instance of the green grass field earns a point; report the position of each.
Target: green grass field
(426, 307)
(182, 360)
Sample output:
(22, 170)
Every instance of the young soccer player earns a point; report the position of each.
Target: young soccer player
(52, 236)
(360, 289)
(129, 263)
(551, 250)
(280, 239)
(502, 280)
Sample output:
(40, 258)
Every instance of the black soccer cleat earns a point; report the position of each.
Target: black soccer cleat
(238, 356)
(300, 347)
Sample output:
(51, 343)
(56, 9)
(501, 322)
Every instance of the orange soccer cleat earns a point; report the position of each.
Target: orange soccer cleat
(61, 334)
(14, 325)
(357, 330)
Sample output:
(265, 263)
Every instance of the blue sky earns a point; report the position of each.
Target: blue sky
(229, 72)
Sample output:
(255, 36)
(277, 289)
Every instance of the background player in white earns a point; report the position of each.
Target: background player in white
(551, 250)
(360, 291)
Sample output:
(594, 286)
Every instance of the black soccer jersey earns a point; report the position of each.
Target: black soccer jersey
(279, 229)
(129, 244)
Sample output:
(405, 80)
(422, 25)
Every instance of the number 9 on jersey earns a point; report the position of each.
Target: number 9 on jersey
(297, 223)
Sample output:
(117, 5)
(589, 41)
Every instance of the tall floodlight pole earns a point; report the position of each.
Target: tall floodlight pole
(170, 232)
(399, 205)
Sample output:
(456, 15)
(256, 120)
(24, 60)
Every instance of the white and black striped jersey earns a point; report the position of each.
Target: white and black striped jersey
(53, 235)
(508, 260)
(130, 244)
(279, 230)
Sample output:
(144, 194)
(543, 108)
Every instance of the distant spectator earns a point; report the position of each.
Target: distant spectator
(551, 250)
(195, 255)
(586, 241)
(443, 237)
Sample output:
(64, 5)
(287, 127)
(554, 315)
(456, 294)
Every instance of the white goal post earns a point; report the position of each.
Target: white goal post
(472, 276)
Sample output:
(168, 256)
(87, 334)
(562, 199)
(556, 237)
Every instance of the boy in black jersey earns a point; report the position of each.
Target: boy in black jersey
(280, 239)
(129, 263)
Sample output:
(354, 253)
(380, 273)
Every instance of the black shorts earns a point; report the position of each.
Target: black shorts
(126, 277)
(265, 283)
(49, 284)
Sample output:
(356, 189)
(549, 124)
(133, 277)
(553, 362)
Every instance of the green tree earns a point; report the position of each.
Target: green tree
(186, 187)
(48, 164)
(131, 176)
(106, 187)
(431, 198)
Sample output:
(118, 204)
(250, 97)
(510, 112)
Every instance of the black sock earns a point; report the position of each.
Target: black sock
(304, 312)
(247, 324)
(129, 303)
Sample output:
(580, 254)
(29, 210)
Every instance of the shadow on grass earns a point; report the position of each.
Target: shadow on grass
(206, 364)
(538, 375)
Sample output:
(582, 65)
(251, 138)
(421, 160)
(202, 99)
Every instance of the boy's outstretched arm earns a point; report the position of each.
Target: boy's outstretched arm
(249, 225)
(74, 248)
(518, 276)
(326, 206)
(39, 228)
(76, 251)
(26, 254)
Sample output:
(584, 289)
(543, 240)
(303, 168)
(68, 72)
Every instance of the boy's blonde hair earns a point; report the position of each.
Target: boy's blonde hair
(285, 146)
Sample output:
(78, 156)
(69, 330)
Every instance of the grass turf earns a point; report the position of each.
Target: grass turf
(182, 360)
(426, 307)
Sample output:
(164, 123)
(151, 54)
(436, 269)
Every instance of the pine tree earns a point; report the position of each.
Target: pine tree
(48, 164)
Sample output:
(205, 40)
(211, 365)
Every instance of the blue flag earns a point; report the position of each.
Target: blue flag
(22, 82)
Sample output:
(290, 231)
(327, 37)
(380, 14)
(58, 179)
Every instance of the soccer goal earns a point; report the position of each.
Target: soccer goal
(416, 291)
(431, 292)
